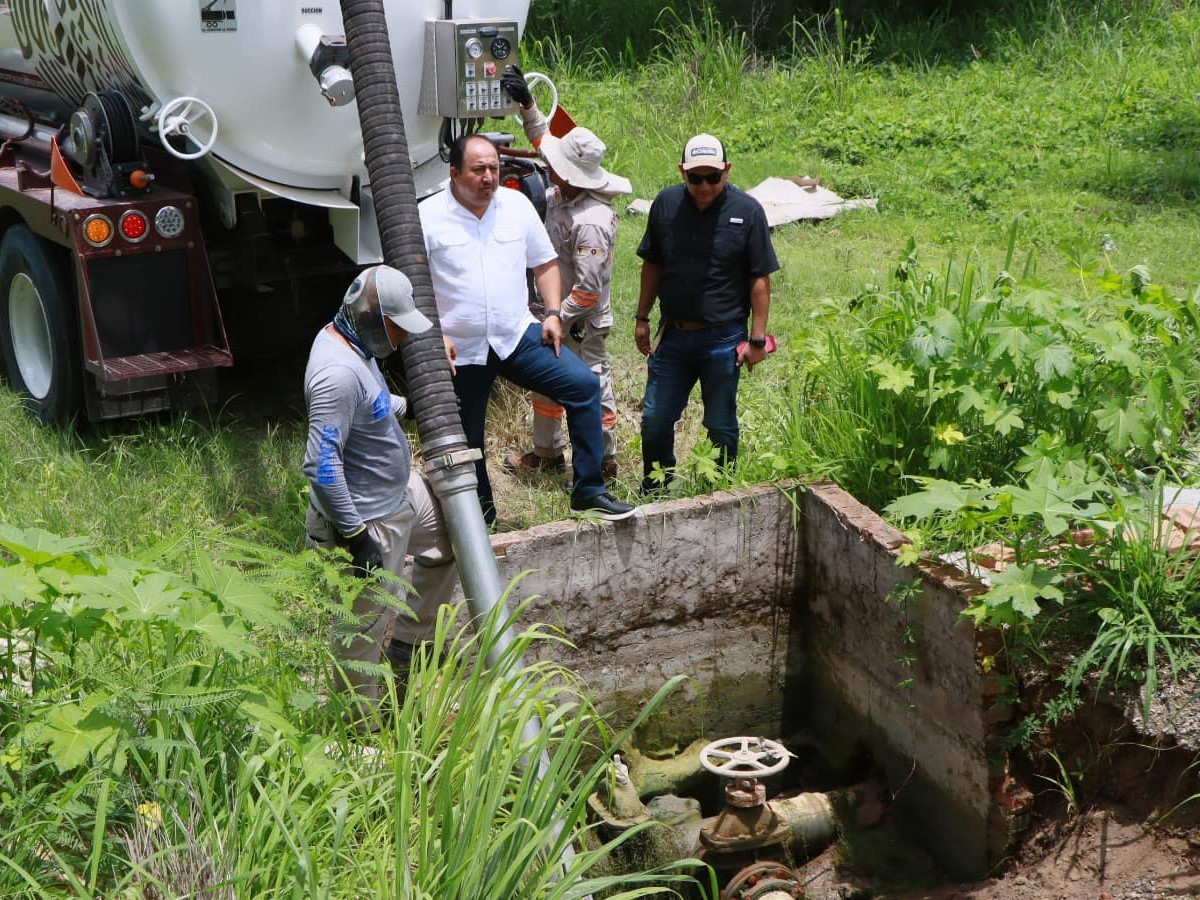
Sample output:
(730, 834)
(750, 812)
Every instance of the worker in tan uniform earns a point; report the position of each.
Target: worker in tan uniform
(582, 228)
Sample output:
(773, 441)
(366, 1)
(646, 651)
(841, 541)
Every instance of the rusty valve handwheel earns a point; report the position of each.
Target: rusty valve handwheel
(744, 757)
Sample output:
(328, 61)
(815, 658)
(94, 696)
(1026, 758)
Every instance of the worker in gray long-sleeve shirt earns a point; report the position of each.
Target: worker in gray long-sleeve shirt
(364, 495)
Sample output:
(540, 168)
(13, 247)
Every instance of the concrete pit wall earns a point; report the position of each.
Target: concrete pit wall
(703, 587)
(776, 603)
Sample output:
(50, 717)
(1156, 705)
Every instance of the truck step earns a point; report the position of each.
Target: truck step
(147, 365)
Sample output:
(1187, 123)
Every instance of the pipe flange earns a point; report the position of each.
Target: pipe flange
(763, 881)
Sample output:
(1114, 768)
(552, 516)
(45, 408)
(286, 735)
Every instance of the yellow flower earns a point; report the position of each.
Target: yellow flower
(151, 814)
(949, 435)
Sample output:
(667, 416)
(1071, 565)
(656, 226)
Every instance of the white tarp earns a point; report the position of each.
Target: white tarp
(789, 200)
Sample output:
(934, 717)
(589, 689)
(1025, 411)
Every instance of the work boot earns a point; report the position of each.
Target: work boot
(608, 467)
(531, 462)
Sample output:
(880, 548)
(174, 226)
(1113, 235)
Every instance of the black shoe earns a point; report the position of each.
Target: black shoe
(603, 506)
(399, 653)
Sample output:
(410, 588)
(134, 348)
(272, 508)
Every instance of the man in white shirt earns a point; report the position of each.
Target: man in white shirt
(480, 241)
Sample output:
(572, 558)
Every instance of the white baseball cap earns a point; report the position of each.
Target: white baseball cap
(703, 151)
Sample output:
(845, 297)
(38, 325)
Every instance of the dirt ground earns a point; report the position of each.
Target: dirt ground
(1100, 855)
(1137, 837)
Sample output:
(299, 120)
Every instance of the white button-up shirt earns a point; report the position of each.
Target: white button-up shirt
(478, 270)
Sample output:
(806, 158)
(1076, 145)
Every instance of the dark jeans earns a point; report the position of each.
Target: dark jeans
(707, 355)
(564, 379)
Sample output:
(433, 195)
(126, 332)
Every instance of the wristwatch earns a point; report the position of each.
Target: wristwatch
(643, 318)
(554, 312)
(757, 343)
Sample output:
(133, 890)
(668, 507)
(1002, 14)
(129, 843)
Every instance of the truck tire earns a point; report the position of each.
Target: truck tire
(38, 327)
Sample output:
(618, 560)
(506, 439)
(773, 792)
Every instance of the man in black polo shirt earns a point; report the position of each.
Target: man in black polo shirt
(707, 256)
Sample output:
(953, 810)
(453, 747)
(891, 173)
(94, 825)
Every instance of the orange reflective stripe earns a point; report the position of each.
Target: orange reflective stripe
(549, 410)
(584, 299)
(608, 420)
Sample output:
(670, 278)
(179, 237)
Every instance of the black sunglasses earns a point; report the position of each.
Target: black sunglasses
(711, 177)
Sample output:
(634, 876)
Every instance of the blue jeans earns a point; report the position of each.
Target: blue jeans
(565, 380)
(707, 355)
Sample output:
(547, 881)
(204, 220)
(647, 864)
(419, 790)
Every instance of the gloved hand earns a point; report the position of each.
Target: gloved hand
(577, 332)
(513, 83)
(365, 553)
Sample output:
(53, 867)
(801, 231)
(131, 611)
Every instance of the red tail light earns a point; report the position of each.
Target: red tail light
(134, 225)
(512, 182)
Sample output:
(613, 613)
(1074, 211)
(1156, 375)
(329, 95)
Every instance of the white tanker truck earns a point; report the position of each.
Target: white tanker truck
(183, 180)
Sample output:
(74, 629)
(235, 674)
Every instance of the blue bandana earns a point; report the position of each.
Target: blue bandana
(345, 327)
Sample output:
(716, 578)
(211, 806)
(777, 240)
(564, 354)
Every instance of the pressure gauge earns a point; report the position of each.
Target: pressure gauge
(501, 47)
(474, 48)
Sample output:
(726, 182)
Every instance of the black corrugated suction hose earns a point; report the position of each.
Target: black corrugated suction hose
(451, 471)
(390, 172)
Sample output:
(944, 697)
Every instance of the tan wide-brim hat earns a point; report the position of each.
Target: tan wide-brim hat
(576, 158)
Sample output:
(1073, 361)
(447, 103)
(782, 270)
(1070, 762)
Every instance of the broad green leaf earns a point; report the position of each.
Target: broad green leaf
(1022, 587)
(970, 398)
(1052, 360)
(1005, 420)
(1051, 457)
(38, 547)
(1123, 424)
(892, 377)
(935, 338)
(1063, 398)
(73, 733)
(19, 585)
(223, 630)
(153, 597)
(257, 708)
(1054, 503)
(939, 458)
(1115, 340)
(1110, 283)
(1047, 305)
(1009, 339)
(238, 593)
(937, 496)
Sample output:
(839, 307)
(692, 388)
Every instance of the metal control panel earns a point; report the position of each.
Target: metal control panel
(464, 61)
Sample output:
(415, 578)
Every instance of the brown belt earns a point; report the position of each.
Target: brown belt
(690, 326)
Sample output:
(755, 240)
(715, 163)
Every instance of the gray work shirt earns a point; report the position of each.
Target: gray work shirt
(357, 460)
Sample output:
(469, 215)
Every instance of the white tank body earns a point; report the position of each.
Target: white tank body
(273, 122)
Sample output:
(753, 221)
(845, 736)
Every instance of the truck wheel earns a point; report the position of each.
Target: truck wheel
(38, 327)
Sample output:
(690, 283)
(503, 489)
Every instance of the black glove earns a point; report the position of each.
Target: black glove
(513, 83)
(577, 332)
(364, 553)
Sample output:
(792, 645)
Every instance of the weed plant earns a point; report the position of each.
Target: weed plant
(164, 737)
